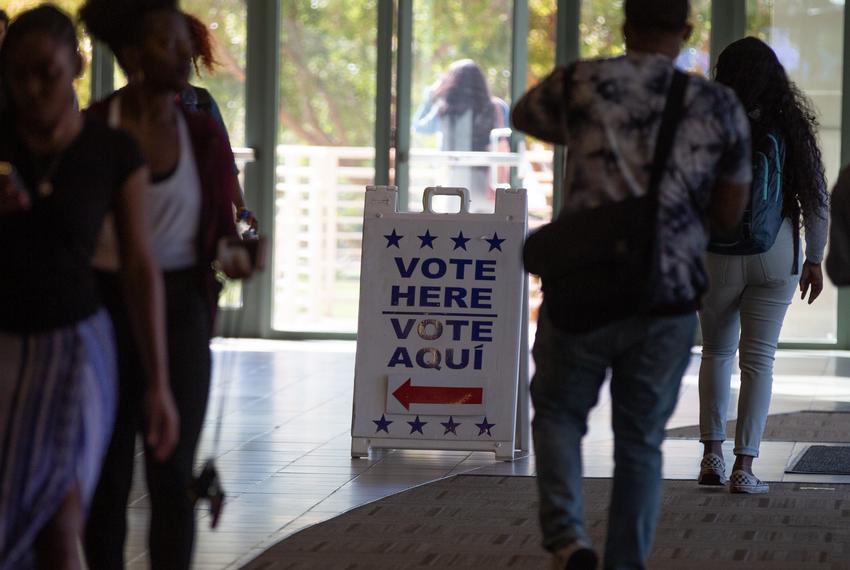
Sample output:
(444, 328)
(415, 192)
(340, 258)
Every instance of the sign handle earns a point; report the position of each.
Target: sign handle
(432, 191)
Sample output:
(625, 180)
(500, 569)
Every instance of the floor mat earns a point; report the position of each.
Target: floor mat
(823, 460)
(487, 522)
(821, 427)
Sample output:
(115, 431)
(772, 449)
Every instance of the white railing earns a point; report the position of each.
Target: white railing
(319, 222)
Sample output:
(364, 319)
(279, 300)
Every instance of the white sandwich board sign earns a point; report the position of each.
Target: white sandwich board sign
(442, 336)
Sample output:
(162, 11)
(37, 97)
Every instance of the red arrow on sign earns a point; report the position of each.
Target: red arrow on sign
(408, 394)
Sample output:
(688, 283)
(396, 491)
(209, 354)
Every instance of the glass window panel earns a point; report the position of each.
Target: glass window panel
(460, 99)
(324, 162)
(227, 20)
(536, 173)
(83, 83)
(808, 37)
(601, 32)
(536, 170)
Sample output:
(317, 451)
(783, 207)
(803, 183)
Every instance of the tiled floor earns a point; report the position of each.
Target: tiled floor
(285, 458)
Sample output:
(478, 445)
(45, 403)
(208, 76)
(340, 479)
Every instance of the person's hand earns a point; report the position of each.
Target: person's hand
(811, 281)
(235, 268)
(162, 423)
(250, 219)
(13, 198)
(237, 258)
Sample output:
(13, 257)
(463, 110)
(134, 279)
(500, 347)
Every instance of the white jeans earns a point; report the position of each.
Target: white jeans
(744, 308)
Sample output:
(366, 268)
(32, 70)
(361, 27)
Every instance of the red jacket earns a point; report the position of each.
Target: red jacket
(214, 159)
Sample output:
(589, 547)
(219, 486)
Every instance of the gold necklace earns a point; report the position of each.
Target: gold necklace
(44, 187)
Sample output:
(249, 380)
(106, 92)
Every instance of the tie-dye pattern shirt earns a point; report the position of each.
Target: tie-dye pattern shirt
(607, 112)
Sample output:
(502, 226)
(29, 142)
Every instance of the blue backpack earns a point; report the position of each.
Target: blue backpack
(763, 217)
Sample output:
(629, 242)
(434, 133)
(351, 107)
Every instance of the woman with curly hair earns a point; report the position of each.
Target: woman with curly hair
(461, 108)
(189, 208)
(751, 288)
(61, 173)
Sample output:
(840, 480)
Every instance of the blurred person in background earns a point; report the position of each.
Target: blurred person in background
(462, 110)
(190, 209)
(61, 173)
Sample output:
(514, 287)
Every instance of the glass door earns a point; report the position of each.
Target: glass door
(454, 103)
(808, 38)
(325, 159)
(459, 90)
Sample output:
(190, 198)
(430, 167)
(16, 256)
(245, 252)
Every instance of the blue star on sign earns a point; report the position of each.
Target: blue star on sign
(484, 427)
(451, 426)
(427, 239)
(417, 425)
(383, 424)
(460, 241)
(393, 239)
(495, 242)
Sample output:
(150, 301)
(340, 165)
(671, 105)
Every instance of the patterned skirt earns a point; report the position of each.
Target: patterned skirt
(57, 408)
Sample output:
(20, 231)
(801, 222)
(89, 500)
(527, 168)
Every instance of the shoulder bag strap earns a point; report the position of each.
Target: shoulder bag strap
(670, 119)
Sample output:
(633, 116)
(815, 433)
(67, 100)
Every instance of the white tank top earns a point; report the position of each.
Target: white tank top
(173, 210)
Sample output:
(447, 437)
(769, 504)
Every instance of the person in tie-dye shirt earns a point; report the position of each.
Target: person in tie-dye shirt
(607, 112)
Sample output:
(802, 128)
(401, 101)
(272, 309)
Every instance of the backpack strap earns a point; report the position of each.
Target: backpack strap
(795, 268)
(766, 178)
(670, 118)
(779, 151)
(203, 99)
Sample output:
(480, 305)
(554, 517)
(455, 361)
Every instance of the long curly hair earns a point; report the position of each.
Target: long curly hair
(464, 87)
(203, 45)
(774, 104)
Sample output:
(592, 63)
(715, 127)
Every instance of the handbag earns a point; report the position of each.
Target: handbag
(599, 265)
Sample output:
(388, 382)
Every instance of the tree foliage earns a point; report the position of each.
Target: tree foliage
(329, 55)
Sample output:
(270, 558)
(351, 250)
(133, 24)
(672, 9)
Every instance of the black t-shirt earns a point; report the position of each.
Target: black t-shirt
(46, 279)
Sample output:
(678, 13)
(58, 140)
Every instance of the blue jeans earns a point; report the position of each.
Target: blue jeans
(744, 308)
(647, 357)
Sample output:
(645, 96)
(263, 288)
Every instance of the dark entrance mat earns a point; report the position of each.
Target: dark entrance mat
(821, 427)
(823, 460)
(491, 522)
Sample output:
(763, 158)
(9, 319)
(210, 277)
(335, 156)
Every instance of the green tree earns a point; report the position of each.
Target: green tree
(227, 20)
(328, 54)
(602, 36)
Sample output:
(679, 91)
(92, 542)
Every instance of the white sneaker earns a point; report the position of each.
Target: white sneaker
(712, 470)
(743, 482)
(577, 555)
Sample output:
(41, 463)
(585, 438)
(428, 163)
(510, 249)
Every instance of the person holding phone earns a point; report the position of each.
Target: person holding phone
(190, 208)
(60, 173)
